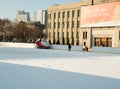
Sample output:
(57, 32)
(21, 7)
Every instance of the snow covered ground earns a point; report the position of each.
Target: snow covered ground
(29, 68)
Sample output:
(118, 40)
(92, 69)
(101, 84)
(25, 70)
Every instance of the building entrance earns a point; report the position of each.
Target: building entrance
(103, 41)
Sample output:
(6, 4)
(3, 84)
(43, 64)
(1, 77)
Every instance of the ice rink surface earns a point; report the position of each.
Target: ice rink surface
(29, 68)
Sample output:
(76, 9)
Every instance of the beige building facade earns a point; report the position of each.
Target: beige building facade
(64, 26)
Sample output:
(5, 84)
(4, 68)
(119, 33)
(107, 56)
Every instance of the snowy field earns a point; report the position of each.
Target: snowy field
(29, 68)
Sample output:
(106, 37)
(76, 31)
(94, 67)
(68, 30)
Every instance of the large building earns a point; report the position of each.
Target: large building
(22, 16)
(90, 23)
(41, 15)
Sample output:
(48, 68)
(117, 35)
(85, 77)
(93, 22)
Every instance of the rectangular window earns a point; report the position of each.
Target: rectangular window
(77, 34)
(54, 35)
(72, 34)
(67, 34)
(54, 25)
(54, 15)
(58, 14)
(109, 42)
(63, 15)
(97, 42)
(119, 35)
(85, 43)
(84, 35)
(58, 34)
(49, 16)
(78, 13)
(78, 24)
(49, 35)
(49, 25)
(67, 24)
(58, 24)
(72, 24)
(62, 34)
(104, 42)
(68, 14)
(63, 24)
(73, 13)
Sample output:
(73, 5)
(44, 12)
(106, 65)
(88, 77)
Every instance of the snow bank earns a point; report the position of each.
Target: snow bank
(65, 47)
(18, 45)
(106, 49)
(32, 45)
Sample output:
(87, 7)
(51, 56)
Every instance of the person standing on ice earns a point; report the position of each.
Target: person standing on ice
(83, 47)
(69, 47)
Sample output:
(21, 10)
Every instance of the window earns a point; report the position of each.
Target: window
(58, 24)
(109, 42)
(58, 34)
(63, 15)
(119, 35)
(72, 34)
(54, 25)
(49, 25)
(77, 42)
(68, 14)
(62, 34)
(54, 15)
(67, 34)
(72, 41)
(77, 34)
(72, 24)
(63, 24)
(54, 35)
(104, 42)
(73, 13)
(84, 35)
(78, 24)
(67, 24)
(49, 16)
(84, 43)
(58, 14)
(49, 35)
(78, 13)
(97, 42)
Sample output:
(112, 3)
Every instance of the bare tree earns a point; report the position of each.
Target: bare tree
(21, 31)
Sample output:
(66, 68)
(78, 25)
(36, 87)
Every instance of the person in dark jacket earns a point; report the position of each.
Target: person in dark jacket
(69, 47)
